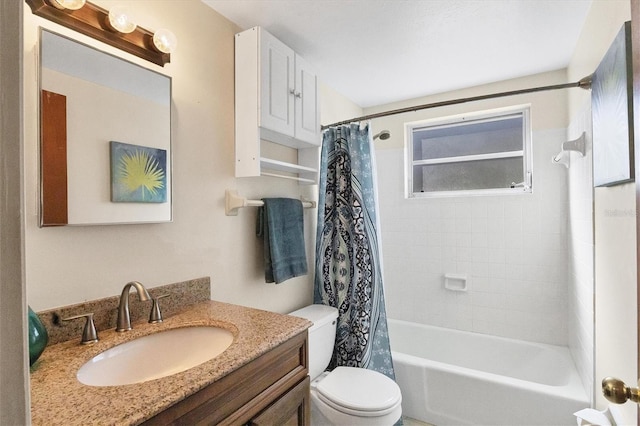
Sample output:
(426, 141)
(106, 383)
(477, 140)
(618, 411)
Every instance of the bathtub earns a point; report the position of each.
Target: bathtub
(451, 377)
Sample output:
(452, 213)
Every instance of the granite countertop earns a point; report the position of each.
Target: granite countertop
(57, 397)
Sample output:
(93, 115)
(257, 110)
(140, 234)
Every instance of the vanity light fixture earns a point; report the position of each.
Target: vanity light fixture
(164, 41)
(116, 28)
(67, 4)
(120, 19)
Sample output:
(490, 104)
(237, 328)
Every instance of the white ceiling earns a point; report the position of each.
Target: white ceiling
(380, 51)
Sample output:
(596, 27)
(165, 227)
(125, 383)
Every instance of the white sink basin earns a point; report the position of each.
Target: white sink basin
(154, 356)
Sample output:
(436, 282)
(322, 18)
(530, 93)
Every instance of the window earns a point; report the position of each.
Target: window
(487, 153)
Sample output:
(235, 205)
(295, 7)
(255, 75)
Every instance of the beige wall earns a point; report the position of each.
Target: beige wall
(335, 107)
(72, 264)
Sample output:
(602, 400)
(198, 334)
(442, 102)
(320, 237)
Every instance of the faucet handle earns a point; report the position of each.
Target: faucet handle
(89, 333)
(156, 316)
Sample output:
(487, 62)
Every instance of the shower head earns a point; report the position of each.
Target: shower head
(383, 135)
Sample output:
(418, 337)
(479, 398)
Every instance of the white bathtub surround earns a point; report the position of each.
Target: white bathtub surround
(513, 248)
(462, 378)
(581, 247)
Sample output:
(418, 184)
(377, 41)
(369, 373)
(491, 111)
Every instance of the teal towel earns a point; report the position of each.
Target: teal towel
(280, 224)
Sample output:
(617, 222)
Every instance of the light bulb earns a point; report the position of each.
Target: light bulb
(165, 41)
(121, 20)
(68, 4)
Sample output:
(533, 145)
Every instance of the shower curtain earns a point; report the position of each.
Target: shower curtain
(348, 263)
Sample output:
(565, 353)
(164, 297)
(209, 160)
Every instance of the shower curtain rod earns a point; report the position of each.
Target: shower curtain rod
(584, 83)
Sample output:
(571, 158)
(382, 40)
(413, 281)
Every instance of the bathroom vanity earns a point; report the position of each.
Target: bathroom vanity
(260, 379)
(273, 389)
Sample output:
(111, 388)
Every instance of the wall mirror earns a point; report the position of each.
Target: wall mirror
(105, 137)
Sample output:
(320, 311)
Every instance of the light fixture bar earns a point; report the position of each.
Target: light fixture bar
(91, 20)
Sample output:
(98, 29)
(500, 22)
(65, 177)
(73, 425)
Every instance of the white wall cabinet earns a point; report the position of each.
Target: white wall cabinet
(276, 101)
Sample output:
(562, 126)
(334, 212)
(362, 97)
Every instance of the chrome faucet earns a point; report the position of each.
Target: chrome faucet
(124, 319)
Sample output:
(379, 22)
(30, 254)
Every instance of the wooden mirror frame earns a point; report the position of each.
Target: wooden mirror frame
(91, 20)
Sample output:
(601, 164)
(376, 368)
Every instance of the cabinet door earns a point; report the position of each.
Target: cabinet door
(306, 108)
(277, 82)
(292, 409)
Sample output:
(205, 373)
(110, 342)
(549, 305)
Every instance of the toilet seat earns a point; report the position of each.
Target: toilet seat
(359, 392)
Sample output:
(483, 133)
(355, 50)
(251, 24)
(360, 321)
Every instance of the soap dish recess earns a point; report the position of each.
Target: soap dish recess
(456, 282)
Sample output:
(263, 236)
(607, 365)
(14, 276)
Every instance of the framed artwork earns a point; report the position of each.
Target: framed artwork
(138, 174)
(612, 109)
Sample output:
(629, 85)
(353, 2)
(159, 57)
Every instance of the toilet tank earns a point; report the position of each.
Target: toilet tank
(322, 335)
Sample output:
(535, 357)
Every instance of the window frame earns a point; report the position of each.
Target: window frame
(524, 187)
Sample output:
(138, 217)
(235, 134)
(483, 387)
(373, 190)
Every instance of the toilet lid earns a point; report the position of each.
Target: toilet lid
(357, 389)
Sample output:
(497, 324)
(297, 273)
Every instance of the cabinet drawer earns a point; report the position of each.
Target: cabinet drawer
(242, 394)
(291, 409)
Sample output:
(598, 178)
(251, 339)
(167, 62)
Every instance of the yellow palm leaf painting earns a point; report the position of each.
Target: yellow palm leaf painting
(138, 174)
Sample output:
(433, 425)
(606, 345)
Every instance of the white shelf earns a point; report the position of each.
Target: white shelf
(281, 166)
(305, 175)
(299, 179)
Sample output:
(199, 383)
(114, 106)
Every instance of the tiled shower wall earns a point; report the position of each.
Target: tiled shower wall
(513, 248)
(581, 247)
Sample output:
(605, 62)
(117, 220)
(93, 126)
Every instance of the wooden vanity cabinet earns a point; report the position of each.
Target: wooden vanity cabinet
(270, 390)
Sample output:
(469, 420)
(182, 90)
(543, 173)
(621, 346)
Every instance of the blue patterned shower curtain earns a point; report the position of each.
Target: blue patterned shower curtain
(348, 263)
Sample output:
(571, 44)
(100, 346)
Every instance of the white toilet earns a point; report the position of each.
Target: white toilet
(346, 395)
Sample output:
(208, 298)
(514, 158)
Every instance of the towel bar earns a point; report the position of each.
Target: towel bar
(233, 202)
